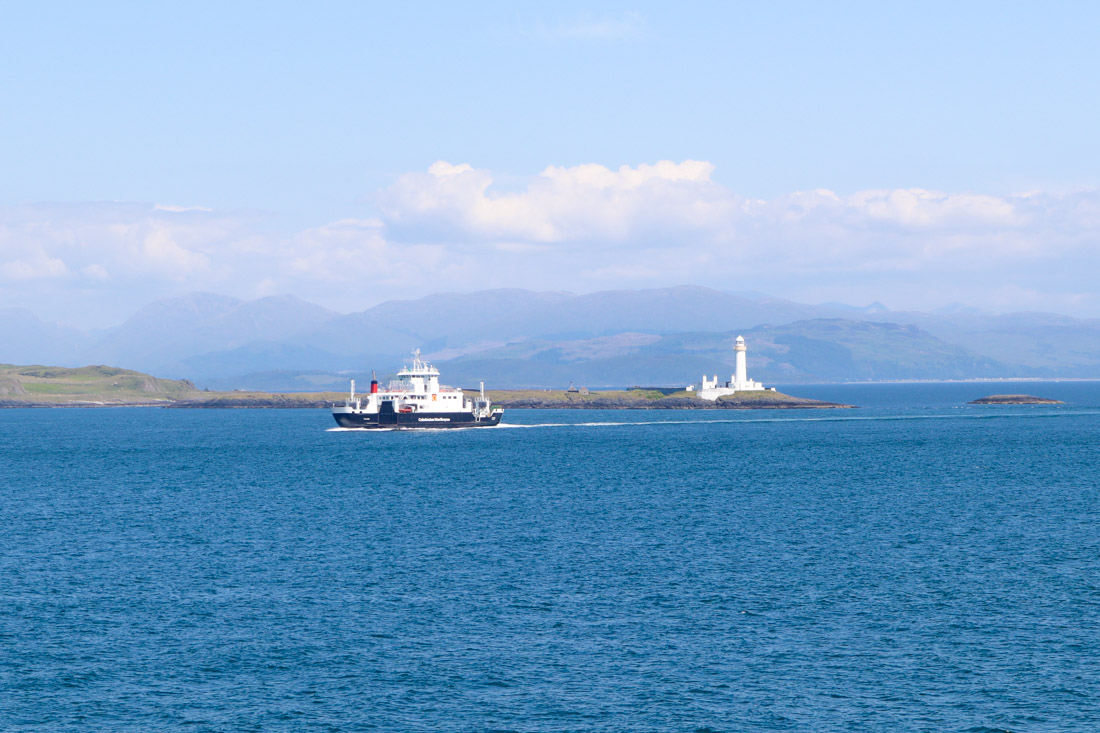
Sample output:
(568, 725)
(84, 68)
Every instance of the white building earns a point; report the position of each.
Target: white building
(739, 380)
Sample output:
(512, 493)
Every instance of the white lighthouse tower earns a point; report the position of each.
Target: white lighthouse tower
(741, 373)
(739, 380)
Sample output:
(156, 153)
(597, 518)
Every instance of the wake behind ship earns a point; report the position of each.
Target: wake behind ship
(416, 400)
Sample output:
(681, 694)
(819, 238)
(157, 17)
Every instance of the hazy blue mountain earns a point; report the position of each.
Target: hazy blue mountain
(164, 335)
(245, 359)
(671, 310)
(27, 339)
(812, 350)
(287, 381)
(846, 350)
(1049, 344)
(449, 325)
(819, 349)
(158, 334)
(525, 338)
(1042, 344)
(440, 322)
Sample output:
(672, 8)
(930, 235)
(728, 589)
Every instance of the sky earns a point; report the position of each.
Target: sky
(924, 156)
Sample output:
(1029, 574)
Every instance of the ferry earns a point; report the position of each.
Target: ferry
(415, 399)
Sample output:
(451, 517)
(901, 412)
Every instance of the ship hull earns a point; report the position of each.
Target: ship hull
(402, 420)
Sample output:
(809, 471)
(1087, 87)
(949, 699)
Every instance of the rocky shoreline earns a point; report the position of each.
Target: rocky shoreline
(275, 401)
(90, 404)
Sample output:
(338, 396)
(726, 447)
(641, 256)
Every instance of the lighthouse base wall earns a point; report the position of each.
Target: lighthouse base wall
(714, 392)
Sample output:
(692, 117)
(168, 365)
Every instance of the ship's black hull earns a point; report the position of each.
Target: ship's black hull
(412, 420)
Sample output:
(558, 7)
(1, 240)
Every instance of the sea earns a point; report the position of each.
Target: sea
(916, 564)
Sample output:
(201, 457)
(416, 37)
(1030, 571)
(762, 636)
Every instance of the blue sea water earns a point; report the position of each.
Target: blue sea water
(917, 565)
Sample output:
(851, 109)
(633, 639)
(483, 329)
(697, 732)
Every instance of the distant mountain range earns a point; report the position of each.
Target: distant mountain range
(519, 338)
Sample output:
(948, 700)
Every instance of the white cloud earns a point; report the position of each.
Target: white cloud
(178, 209)
(626, 25)
(672, 223)
(33, 266)
(453, 227)
(92, 240)
(96, 272)
(356, 251)
(679, 205)
(97, 263)
(161, 251)
(583, 203)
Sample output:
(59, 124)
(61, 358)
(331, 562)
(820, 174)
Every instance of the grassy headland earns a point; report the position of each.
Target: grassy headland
(105, 386)
(90, 386)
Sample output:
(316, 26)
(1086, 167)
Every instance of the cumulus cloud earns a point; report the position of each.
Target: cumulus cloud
(672, 203)
(94, 264)
(588, 203)
(356, 252)
(32, 266)
(679, 204)
(672, 222)
(92, 240)
(455, 227)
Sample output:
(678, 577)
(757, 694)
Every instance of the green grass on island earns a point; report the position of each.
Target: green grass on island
(90, 385)
(105, 386)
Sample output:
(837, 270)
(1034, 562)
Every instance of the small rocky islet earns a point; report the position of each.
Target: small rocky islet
(1014, 399)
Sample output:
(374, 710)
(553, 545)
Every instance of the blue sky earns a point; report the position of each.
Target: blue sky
(931, 153)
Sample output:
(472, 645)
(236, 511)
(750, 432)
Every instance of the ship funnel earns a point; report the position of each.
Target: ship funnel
(373, 383)
(483, 391)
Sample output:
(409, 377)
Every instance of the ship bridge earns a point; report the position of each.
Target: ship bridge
(420, 378)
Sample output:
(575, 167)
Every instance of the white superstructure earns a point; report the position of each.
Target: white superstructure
(739, 380)
(415, 399)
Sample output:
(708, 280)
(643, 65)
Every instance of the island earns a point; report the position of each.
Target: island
(106, 386)
(1014, 399)
(90, 386)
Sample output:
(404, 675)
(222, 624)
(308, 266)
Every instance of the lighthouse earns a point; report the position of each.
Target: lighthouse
(741, 373)
(739, 380)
